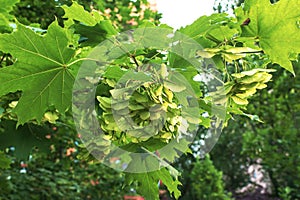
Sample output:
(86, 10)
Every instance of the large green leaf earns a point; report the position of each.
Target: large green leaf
(77, 12)
(148, 180)
(205, 26)
(276, 26)
(7, 6)
(148, 183)
(24, 138)
(41, 72)
(94, 35)
(175, 149)
(5, 16)
(92, 28)
(207, 31)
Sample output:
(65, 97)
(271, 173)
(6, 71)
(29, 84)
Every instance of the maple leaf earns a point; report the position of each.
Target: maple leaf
(148, 183)
(175, 149)
(276, 26)
(93, 28)
(5, 16)
(77, 12)
(24, 138)
(41, 71)
(7, 6)
(148, 180)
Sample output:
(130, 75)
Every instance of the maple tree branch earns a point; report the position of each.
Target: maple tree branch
(134, 60)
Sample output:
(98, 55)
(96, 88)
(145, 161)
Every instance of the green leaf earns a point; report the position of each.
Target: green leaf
(95, 34)
(114, 72)
(140, 98)
(192, 115)
(174, 149)
(147, 182)
(152, 37)
(5, 16)
(77, 12)
(205, 24)
(173, 86)
(92, 28)
(7, 6)
(276, 26)
(222, 33)
(24, 138)
(141, 77)
(117, 93)
(41, 72)
(171, 183)
(207, 31)
(189, 73)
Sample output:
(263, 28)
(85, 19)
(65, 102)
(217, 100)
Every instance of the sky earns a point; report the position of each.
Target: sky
(177, 13)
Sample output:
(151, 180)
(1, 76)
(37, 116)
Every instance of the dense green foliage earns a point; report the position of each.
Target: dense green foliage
(126, 14)
(41, 54)
(208, 186)
(60, 176)
(274, 141)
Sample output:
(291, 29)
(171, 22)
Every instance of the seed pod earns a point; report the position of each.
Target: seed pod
(239, 100)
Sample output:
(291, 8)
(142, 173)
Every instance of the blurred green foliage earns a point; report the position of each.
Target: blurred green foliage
(126, 14)
(275, 142)
(206, 181)
(58, 174)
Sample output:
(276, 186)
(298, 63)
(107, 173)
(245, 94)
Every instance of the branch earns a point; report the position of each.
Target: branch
(134, 60)
(2, 58)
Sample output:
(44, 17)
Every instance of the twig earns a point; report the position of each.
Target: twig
(134, 60)
(2, 58)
